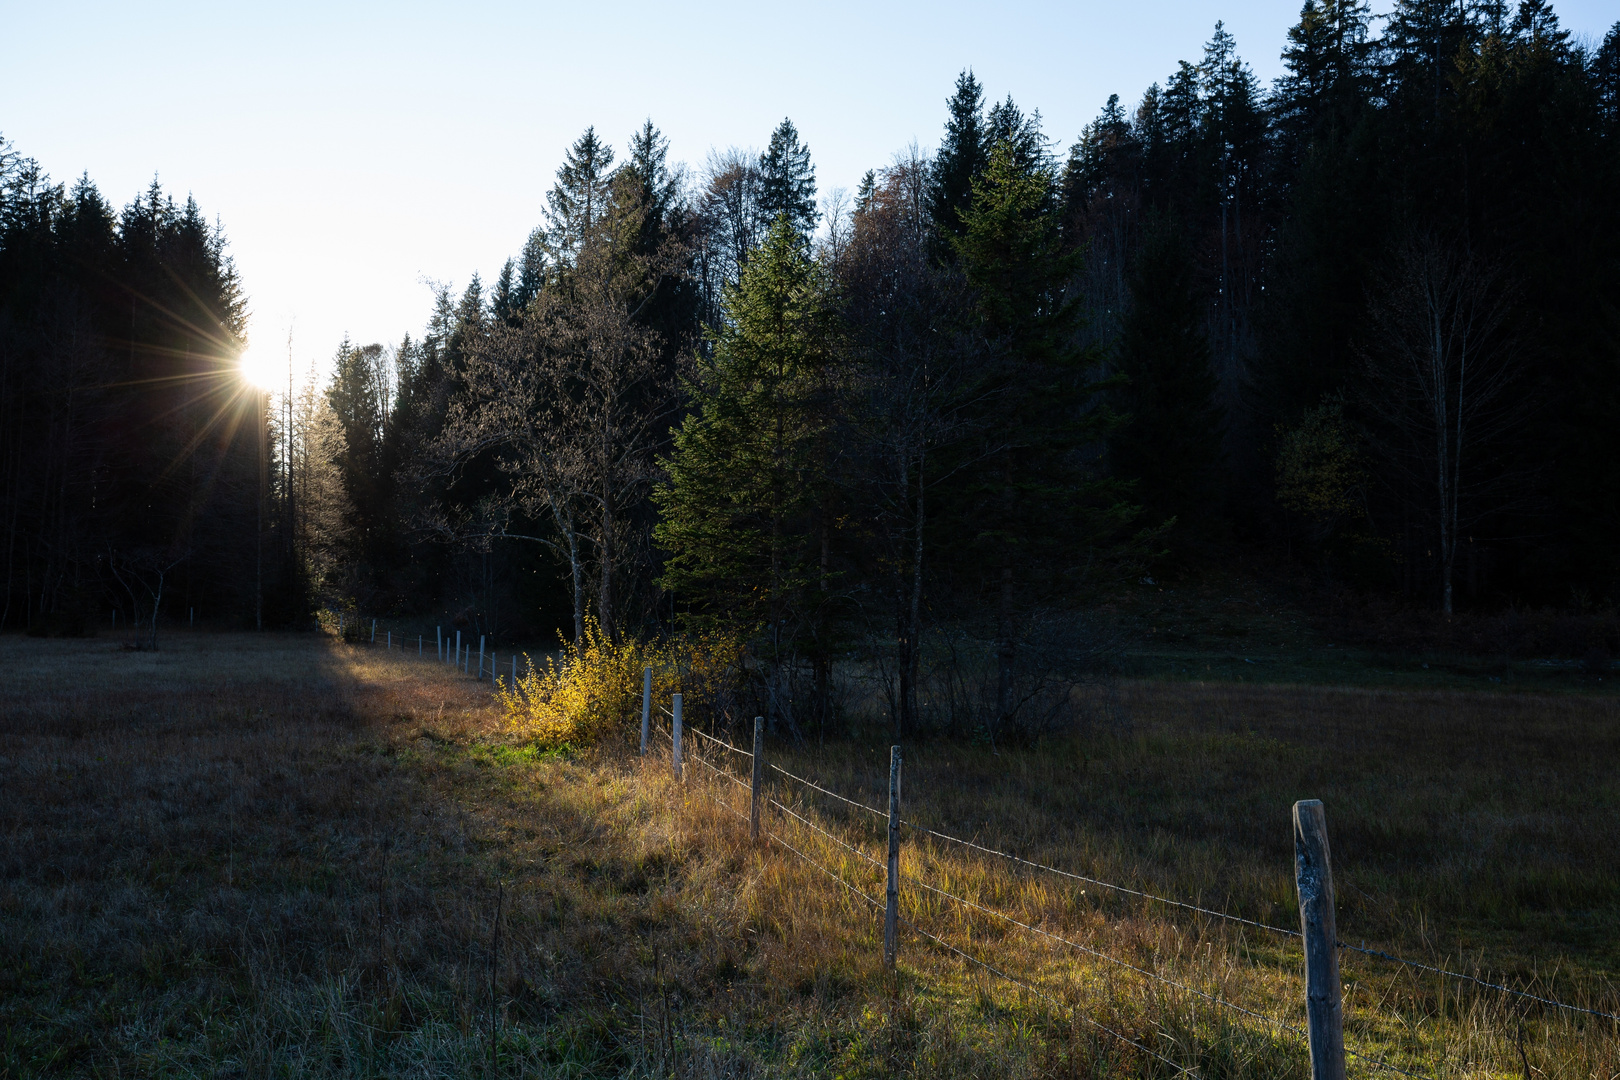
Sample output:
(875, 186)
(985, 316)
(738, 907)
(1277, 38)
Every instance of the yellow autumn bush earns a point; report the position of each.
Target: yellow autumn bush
(592, 691)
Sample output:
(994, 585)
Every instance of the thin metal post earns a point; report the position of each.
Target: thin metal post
(418, 646)
(390, 645)
(374, 631)
(758, 779)
(514, 681)
(1324, 1010)
(891, 909)
(480, 674)
(675, 752)
(457, 662)
(646, 707)
(438, 642)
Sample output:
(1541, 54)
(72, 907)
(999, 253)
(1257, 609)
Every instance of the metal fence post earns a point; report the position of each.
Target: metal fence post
(1324, 1011)
(646, 705)
(759, 777)
(480, 674)
(457, 661)
(891, 909)
(374, 631)
(675, 751)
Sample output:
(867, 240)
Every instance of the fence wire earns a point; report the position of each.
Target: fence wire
(1211, 912)
(1481, 982)
(1100, 883)
(812, 784)
(722, 743)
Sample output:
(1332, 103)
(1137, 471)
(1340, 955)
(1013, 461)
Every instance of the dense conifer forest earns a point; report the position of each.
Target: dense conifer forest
(1361, 325)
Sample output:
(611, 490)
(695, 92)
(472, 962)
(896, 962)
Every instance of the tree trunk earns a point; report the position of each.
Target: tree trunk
(1006, 648)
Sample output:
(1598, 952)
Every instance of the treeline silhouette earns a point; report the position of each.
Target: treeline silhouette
(128, 445)
(1363, 321)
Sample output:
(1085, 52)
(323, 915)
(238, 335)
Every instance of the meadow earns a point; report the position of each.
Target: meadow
(272, 855)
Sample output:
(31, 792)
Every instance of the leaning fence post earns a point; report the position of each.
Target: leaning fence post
(646, 705)
(675, 752)
(1324, 1011)
(759, 777)
(891, 909)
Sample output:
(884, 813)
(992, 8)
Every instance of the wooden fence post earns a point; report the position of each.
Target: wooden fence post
(759, 777)
(1324, 1011)
(646, 706)
(675, 751)
(891, 909)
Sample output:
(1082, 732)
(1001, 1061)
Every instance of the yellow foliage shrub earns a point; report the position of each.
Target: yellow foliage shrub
(592, 692)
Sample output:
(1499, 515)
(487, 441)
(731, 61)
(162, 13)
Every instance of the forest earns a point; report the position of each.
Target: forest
(1361, 325)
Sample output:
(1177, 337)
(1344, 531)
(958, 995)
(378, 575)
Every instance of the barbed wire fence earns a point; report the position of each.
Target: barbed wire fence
(1322, 1035)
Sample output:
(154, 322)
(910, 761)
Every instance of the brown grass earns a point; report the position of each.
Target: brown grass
(268, 856)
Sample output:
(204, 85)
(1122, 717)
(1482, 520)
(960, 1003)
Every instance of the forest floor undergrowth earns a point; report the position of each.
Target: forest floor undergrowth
(275, 855)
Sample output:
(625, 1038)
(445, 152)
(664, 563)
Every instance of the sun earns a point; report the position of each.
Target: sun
(261, 369)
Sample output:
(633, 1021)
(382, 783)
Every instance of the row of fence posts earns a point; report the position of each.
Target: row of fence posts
(1324, 1007)
(448, 651)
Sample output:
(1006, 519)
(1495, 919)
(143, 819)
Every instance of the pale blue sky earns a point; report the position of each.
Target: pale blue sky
(356, 151)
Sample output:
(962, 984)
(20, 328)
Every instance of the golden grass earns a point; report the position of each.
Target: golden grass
(249, 856)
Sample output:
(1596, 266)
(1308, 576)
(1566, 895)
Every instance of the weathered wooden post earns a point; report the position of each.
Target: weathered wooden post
(891, 909)
(646, 707)
(1324, 1011)
(675, 751)
(759, 777)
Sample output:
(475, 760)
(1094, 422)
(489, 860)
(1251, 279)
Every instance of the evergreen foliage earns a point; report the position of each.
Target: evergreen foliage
(750, 462)
(787, 180)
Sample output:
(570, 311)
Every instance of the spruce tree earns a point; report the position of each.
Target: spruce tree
(1030, 514)
(579, 197)
(748, 463)
(961, 157)
(787, 180)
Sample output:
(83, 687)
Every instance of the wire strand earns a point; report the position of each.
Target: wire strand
(1473, 979)
(828, 835)
(721, 742)
(833, 794)
(1102, 884)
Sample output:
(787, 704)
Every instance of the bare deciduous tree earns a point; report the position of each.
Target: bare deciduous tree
(567, 402)
(1440, 361)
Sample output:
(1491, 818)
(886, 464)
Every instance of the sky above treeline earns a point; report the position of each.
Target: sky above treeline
(358, 153)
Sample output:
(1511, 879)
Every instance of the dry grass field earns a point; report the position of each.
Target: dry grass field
(280, 856)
